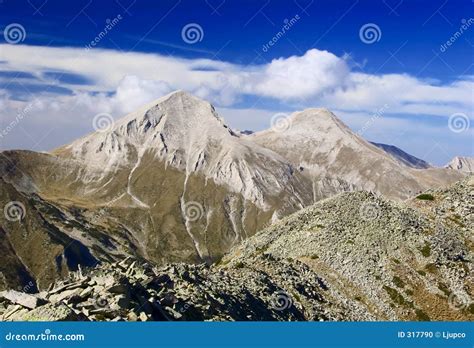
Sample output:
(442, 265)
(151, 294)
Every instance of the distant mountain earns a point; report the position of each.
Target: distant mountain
(462, 164)
(402, 156)
(336, 159)
(171, 182)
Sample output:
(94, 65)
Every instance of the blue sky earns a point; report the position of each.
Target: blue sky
(400, 87)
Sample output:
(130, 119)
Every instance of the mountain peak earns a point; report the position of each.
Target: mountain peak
(462, 164)
(178, 115)
(316, 118)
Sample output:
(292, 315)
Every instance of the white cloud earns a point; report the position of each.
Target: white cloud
(315, 78)
(300, 77)
(121, 82)
(404, 94)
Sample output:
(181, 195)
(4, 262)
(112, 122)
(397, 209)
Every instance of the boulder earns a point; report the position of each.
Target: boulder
(21, 298)
(48, 312)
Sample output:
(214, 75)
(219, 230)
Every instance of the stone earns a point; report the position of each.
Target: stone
(118, 289)
(106, 281)
(86, 292)
(23, 299)
(132, 316)
(48, 312)
(143, 316)
(66, 294)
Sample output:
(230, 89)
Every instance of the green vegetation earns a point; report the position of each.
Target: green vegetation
(431, 267)
(425, 250)
(261, 250)
(470, 309)
(398, 282)
(444, 288)
(296, 296)
(421, 316)
(457, 220)
(421, 272)
(396, 297)
(314, 257)
(239, 265)
(425, 197)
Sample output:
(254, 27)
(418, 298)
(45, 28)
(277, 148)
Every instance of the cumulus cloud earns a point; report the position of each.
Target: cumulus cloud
(116, 83)
(317, 77)
(310, 75)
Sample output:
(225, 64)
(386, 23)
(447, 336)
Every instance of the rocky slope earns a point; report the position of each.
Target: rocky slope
(355, 256)
(172, 183)
(462, 164)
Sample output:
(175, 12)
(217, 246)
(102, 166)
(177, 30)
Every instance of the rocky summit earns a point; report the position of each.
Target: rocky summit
(355, 256)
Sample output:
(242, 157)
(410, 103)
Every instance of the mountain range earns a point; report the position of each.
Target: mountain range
(171, 182)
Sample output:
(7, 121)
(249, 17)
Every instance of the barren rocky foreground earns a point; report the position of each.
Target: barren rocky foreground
(355, 256)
